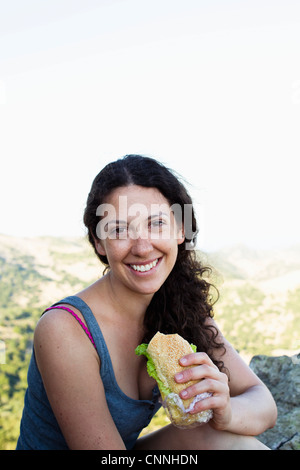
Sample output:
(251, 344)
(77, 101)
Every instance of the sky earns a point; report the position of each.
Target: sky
(211, 88)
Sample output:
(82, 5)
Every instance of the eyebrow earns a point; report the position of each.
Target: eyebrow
(116, 222)
(152, 216)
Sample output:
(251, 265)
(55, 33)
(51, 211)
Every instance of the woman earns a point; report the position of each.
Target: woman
(141, 224)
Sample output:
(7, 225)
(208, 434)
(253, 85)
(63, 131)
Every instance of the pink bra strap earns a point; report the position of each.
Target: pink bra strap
(87, 331)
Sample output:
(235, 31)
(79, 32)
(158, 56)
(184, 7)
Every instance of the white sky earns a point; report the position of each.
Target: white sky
(209, 87)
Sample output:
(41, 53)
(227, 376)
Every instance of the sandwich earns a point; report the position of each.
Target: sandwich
(163, 354)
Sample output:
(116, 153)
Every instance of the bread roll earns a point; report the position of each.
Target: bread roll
(165, 352)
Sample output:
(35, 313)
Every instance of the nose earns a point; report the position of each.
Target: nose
(141, 247)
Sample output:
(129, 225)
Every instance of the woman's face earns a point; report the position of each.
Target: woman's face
(139, 236)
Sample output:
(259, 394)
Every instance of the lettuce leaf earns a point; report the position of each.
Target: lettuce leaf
(142, 350)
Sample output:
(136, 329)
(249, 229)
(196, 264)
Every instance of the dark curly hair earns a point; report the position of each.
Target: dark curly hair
(185, 301)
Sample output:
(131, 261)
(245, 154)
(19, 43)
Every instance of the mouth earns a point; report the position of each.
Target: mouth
(143, 268)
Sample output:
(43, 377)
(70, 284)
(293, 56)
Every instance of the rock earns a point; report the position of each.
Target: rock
(282, 376)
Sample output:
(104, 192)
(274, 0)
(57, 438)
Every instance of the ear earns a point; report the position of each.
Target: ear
(181, 236)
(99, 247)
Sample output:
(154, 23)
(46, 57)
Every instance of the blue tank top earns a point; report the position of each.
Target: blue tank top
(39, 429)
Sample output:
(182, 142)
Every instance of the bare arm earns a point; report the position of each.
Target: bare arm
(70, 370)
(253, 407)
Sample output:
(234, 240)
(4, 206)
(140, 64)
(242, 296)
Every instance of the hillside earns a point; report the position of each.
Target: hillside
(259, 305)
(50, 267)
(258, 308)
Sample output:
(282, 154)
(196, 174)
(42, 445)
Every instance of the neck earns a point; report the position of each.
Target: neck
(127, 304)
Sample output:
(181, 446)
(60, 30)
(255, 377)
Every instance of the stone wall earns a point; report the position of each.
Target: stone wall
(282, 377)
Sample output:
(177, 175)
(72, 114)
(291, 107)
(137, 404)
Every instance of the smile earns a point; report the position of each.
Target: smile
(144, 267)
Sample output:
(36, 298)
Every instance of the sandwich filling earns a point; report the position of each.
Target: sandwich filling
(151, 369)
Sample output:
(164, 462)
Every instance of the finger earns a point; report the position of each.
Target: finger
(196, 358)
(209, 403)
(205, 386)
(197, 373)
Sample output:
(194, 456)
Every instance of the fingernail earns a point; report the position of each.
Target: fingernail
(183, 360)
(183, 394)
(179, 376)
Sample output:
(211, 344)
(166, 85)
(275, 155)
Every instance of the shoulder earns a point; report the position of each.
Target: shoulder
(69, 366)
(62, 350)
(58, 322)
(59, 333)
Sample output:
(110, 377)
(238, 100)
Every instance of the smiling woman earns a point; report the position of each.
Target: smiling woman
(87, 389)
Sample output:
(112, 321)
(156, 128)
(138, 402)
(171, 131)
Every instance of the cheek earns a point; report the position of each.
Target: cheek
(116, 250)
(170, 248)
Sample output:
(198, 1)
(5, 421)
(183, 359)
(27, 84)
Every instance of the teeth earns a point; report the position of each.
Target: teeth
(144, 267)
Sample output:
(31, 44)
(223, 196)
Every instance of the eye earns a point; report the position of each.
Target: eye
(157, 223)
(118, 232)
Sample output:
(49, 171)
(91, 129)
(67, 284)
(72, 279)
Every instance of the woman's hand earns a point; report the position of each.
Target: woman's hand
(210, 379)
